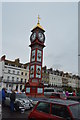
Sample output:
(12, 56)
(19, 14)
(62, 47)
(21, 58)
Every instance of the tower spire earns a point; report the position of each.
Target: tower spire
(38, 25)
(38, 20)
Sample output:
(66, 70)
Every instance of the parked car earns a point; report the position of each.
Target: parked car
(21, 102)
(48, 91)
(76, 98)
(70, 94)
(55, 109)
(58, 95)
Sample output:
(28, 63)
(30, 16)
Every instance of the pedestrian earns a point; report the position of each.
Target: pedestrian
(74, 93)
(12, 100)
(3, 97)
(67, 94)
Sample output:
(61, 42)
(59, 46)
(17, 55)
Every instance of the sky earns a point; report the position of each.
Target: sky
(60, 21)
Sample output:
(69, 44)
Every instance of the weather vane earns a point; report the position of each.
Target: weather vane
(38, 19)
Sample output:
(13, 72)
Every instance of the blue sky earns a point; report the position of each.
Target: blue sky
(60, 21)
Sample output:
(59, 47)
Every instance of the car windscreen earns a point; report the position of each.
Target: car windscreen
(43, 107)
(75, 109)
(22, 95)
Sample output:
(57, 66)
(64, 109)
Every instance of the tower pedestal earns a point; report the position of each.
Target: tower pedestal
(34, 90)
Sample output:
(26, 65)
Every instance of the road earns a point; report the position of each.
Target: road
(16, 115)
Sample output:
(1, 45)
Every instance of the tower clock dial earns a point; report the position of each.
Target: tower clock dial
(33, 37)
(41, 37)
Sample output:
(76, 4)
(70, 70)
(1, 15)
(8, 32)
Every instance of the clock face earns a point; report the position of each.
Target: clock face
(33, 37)
(41, 37)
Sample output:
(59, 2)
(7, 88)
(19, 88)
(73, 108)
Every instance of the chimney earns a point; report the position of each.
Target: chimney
(17, 60)
(3, 58)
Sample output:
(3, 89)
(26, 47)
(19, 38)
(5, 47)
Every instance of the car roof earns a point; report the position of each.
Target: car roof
(59, 101)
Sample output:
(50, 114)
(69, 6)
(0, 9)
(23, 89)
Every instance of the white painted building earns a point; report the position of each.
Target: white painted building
(73, 82)
(61, 79)
(55, 80)
(15, 74)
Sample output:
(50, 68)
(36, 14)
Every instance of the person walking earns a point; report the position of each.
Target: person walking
(12, 100)
(74, 93)
(3, 97)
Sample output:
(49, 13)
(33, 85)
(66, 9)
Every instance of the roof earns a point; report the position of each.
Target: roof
(60, 101)
(17, 63)
(38, 26)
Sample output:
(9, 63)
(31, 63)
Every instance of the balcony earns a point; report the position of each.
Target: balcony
(13, 82)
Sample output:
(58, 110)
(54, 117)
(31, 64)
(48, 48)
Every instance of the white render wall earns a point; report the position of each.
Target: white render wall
(17, 77)
(55, 80)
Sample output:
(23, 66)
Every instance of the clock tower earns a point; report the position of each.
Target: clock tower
(35, 86)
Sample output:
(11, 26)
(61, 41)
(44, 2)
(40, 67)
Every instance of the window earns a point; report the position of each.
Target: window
(48, 90)
(12, 78)
(25, 74)
(21, 73)
(13, 72)
(21, 79)
(33, 88)
(40, 90)
(28, 90)
(7, 78)
(22, 66)
(56, 95)
(60, 110)
(6, 63)
(6, 85)
(8, 71)
(9, 85)
(16, 87)
(17, 79)
(25, 80)
(43, 107)
(76, 108)
(20, 87)
(17, 72)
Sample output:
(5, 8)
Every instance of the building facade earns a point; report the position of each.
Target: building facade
(60, 79)
(15, 74)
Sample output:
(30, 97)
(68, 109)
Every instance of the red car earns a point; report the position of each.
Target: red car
(59, 95)
(55, 109)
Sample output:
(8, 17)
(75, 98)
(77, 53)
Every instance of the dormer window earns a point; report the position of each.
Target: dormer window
(22, 66)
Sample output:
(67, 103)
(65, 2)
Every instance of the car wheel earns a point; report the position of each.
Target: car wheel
(16, 106)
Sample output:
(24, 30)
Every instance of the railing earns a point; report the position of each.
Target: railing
(13, 82)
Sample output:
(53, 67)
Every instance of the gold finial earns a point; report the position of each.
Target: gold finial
(38, 19)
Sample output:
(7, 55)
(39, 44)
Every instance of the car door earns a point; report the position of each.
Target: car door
(59, 112)
(42, 111)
